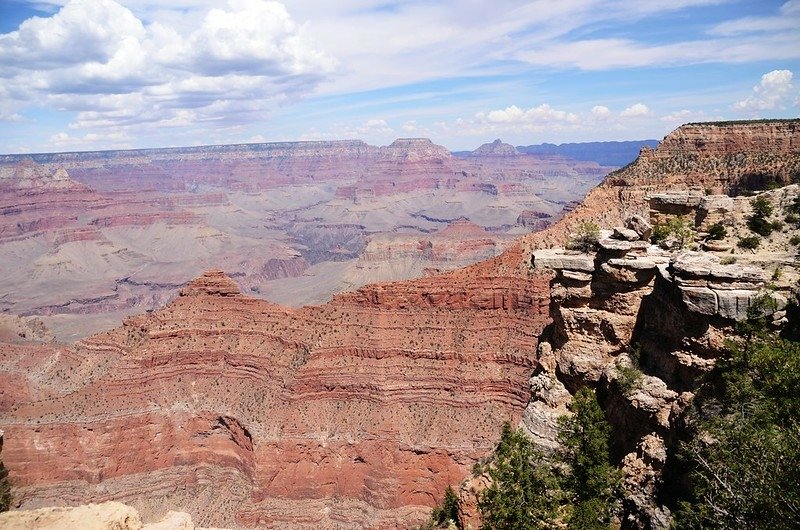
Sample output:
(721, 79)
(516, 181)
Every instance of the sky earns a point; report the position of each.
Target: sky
(110, 74)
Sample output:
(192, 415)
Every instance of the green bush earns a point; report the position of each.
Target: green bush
(749, 242)
(795, 240)
(585, 238)
(758, 221)
(761, 206)
(593, 481)
(679, 228)
(448, 511)
(760, 226)
(578, 486)
(717, 231)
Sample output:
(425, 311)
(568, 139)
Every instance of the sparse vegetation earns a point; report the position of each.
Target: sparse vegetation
(630, 375)
(749, 242)
(795, 240)
(677, 228)
(585, 238)
(717, 231)
(5, 489)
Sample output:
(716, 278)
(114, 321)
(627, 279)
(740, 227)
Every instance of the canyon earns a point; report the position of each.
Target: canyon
(89, 238)
(358, 412)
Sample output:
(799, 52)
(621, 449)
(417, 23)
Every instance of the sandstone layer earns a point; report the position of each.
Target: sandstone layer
(354, 414)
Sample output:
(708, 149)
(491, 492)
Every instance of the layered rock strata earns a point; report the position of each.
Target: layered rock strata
(359, 412)
(356, 414)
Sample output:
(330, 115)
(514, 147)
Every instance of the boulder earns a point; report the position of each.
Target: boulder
(638, 224)
(700, 300)
(625, 234)
(560, 259)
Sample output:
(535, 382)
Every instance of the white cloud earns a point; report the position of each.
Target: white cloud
(96, 58)
(637, 110)
(773, 92)
(601, 112)
(374, 130)
(611, 53)
(543, 114)
(111, 140)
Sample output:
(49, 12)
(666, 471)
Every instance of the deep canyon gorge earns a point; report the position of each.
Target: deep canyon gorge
(215, 399)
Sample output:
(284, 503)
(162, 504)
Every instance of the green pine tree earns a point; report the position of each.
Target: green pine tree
(593, 480)
(744, 451)
(525, 492)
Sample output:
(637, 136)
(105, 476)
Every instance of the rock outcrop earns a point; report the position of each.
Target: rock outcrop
(723, 157)
(641, 324)
(105, 516)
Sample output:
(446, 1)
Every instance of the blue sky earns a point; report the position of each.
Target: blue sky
(104, 74)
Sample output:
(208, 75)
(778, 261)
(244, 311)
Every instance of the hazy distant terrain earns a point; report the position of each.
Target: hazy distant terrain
(604, 153)
(106, 234)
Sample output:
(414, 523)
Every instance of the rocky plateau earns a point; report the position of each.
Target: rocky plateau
(89, 238)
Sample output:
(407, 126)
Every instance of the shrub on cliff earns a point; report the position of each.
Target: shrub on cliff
(759, 220)
(448, 510)
(717, 231)
(5, 489)
(749, 242)
(592, 481)
(677, 228)
(585, 238)
(576, 486)
(525, 492)
(744, 450)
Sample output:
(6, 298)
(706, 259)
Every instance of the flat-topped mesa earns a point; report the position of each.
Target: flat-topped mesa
(211, 283)
(27, 175)
(496, 148)
(727, 156)
(213, 152)
(414, 149)
(734, 137)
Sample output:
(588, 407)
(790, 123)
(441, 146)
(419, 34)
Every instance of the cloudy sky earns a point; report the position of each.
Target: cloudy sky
(100, 74)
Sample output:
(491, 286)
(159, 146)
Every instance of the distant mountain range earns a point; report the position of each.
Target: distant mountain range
(604, 153)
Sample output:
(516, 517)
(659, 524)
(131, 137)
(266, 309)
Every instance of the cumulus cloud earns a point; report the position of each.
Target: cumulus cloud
(635, 111)
(773, 92)
(96, 58)
(543, 114)
(601, 112)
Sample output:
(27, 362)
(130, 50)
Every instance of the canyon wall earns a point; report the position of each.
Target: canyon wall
(357, 413)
